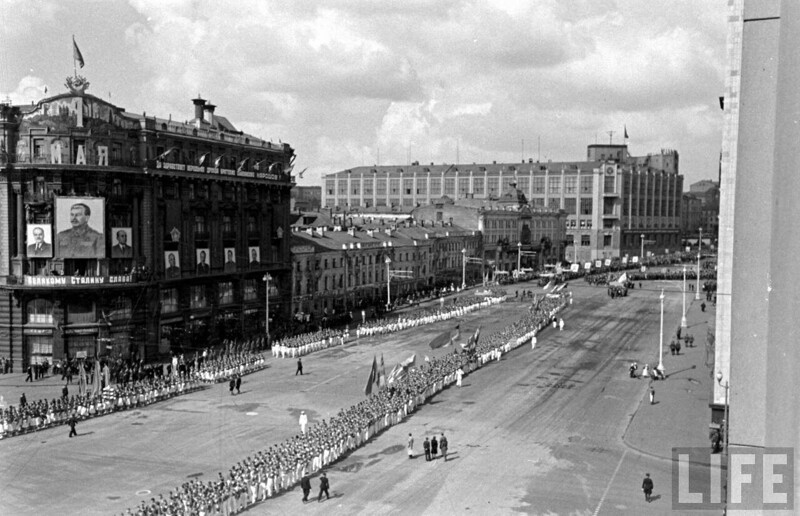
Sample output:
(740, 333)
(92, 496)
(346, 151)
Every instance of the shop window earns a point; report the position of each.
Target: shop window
(226, 293)
(121, 308)
(197, 296)
(169, 300)
(40, 349)
(249, 290)
(81, 312)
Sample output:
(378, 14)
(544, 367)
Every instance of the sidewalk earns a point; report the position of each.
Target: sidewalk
(680, 415)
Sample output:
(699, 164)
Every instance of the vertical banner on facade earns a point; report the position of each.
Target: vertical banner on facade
(80, 227)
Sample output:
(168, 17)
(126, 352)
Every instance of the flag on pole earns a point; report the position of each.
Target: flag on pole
(373, 373)
(218, 161)
(202, 159)
(383, 372)
(626, 131)
(446, 338)
(76, 53)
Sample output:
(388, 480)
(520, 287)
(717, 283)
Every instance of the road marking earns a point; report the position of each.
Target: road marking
(326, 381)
(608, 487)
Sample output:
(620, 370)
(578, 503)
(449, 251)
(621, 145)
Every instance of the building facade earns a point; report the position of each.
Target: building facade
(133, 236)
(612, 203)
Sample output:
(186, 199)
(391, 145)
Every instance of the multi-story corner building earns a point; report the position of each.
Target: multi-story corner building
(135, 236)
(306, 198)
(614, 202)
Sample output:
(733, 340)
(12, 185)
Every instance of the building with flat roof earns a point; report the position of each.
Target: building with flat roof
(613, 204)
(135, 236)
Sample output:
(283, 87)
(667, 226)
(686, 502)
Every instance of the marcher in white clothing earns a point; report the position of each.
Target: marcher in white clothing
(560, 324)
(459, 376)
(303, 422)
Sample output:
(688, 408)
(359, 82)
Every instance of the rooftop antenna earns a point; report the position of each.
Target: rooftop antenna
(538, 149)
(522, 152)
(610, 136)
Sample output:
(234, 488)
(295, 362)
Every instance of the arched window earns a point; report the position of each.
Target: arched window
(40, 311)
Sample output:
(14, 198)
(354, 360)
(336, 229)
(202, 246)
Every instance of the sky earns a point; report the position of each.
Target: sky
(353, 82)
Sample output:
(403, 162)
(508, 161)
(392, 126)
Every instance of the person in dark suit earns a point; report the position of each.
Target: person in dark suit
(202, 266)
(173, 271)
(323, 487)
(72, 422)
(647, 487)
(305, 485)
(39, 248)
(121, 249)
(434, 447)
(426, 446)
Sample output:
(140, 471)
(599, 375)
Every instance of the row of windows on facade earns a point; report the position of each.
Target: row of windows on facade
(358, 260)
(40, 311)
(366, 277)
(492, 185)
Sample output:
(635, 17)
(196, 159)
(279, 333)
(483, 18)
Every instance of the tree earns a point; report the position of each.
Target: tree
(545, 245)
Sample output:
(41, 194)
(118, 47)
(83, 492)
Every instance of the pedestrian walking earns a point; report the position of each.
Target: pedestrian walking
(23, 401)
(303, 421)
(555, 323)
(29, 378)
(232, 385)
(533, 342)
(560, 324)
(305, 485)
(238, 384)
(410, 447)
(652, 395)
(434, 447)
(426, 446)
(323, 487)
(65, 392)
(459, 376)
(72, 422)
(647, 487)
(443, 446)
(299, 367)
(702, 307)
(672, 348)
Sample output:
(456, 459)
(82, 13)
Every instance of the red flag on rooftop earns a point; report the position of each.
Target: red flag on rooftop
(76, 53)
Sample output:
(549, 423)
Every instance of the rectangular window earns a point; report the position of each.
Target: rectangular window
(342, 187)
(538, 185)
(586, 206)
(197, 296)
(570, 240)
(554, 185)
(606, 240)
(463, 186)
(436, 187)
(249, 290)
(394, 187)
(586, 184)
(356, 188)
(610, 184)
(570, 205)
(570, 184)
(450, 186)
(586, 240)
(524, 183)
(494, 186)
(422, 186)
(477, 187)
(368, 186)
(381, 187)
(555, 203)
(200, 224)
(226, 293)
(408, 186)
(169, 300)
(537, 202)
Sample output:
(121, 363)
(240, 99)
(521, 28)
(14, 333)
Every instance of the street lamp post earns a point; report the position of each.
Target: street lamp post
(726, 386)
(267, 279)
(519, 256)
(641, 252)
(463, 268)
(699, 248)
(661, 336)
(683, 316)
(388, 284)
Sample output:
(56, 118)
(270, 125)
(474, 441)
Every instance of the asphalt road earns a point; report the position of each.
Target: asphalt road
(539, 432)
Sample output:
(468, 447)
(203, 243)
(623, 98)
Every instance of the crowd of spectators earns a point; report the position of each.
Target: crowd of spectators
(271, 471)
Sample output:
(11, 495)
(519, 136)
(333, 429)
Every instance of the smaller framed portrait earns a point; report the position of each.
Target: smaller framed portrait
(254, 256)
(230, 259)
(172, 264)
(40, 240)
(121, 243)
(203, 266)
